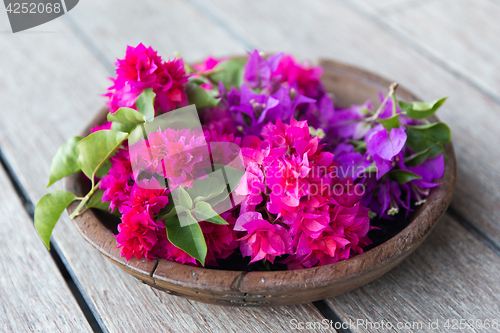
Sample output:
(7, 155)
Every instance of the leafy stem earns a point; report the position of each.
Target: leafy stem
(84, 201)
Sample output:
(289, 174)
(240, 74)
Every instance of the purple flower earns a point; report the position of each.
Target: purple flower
(351, 163)
(383, 146)
(430, 170)
(252, 111)
(386, 196)
(389, 197)
(257, 71)
(346, 123)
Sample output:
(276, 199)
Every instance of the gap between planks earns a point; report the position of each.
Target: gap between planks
(376, 19)
(60, 262)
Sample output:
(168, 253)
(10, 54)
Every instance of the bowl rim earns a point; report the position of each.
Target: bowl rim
(174, 275)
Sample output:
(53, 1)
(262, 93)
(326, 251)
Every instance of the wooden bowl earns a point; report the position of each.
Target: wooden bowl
(350, 85)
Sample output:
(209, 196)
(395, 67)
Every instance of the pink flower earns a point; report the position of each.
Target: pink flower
(173, 253)
(137, 234)
(139, 66)
(286, 178)
(281, 135)
(117, 184)
(312, 222)
(141, 69)
(221, 239)
(153, 199)
(105, 126)
(179, 155)
(251, 188)
(264, 240)
(207, 65)
(169, 87)
(307, 78)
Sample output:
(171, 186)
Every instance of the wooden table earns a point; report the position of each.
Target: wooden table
(51, 78)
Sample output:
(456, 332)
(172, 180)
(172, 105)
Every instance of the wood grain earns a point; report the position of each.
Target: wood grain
(63, 80)
(462, 36)
(33, 295)
(334, 30)
(451, 276)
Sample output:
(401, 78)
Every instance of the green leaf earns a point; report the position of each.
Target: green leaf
(128, 128)
(419, 110)
(422, 137)
(231, 73)
(420, 157)
(403, 176)
(103, 170)
(207, 188)
(127, 116)
(200, 97)
(95, 201)
(169, 211)
(390, 123)
(188, 238)
(184, 198)
(358, 144)
(94, 150)
(65, 161)
(48, 210)
(199, 80)
(204, 212)
(145, 104)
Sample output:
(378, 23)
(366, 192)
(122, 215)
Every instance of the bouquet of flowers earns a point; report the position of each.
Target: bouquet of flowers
(246, 159)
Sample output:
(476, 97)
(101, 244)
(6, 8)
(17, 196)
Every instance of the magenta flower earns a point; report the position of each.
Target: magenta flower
(137, 234)
(153, 199)
(173, 253)
(142, 68)
(208, 64)
(286, 178)
(221, 239)
(105, 126)
(263, 240)
(307, 77)
(117, 184)
(139, 66)
(177, 155)
(169, 87)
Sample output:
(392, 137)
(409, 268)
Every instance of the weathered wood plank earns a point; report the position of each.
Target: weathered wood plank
(381, 7)
(459, 34)
(43, 121)
(33, 294)
(333, 30)
(452, 276)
